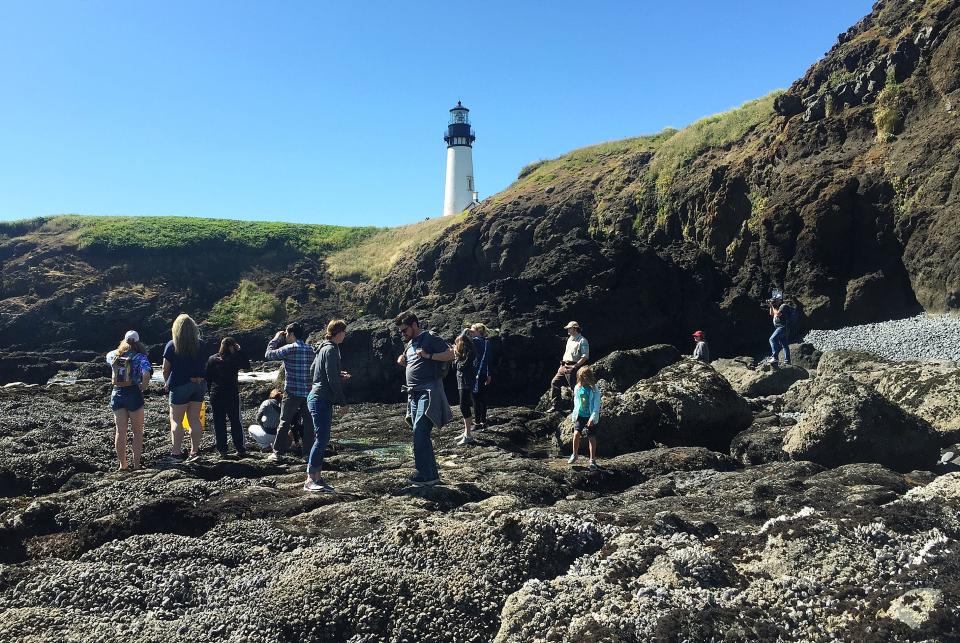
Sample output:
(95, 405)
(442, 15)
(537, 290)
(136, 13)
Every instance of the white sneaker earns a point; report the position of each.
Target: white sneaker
(573, 458)
(466, 439)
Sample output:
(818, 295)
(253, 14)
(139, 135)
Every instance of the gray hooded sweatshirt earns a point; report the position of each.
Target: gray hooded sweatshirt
(326, 373)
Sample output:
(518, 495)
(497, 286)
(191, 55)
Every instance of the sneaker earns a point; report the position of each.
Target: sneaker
(419, 481)
(479, 427)
(317, 485)
(593, 466)
(275, 457)
(573, 458)
(194, 457)
(466, 439)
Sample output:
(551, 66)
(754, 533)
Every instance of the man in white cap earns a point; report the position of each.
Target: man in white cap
(576, 354)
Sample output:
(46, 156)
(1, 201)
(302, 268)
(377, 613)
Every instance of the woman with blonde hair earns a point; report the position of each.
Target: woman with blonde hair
(131, 372)
(184, 371)
(586, 414)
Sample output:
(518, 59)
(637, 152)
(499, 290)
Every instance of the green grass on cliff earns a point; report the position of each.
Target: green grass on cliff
(376, 254)
(176, 233)
(246, 307)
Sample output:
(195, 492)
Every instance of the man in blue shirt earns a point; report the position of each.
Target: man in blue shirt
(427, 403)
(297, 357)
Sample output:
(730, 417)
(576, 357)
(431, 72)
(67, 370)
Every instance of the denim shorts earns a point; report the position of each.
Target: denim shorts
(189, 392)
(128, 398)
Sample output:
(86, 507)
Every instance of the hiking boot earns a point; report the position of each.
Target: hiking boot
(573, 458)
(466, 439)
(421, 481)
(317, 485)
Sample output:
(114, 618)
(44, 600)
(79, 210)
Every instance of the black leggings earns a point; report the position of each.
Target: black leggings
(465, 401)
(227, 405)
(480, 403)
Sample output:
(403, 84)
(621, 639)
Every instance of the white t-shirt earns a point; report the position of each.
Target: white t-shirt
(577, 347)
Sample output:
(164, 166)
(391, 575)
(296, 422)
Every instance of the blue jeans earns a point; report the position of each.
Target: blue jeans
(189, 392)
(780, 339)
(423, 457)
(321, 411)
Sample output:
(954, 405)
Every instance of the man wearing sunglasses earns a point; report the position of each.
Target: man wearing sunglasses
(427, 406)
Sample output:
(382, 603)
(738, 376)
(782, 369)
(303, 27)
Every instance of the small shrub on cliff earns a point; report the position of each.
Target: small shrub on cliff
(887, 112)
(246, 307)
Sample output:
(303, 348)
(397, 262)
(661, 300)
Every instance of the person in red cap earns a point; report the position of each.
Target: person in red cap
(701, 351)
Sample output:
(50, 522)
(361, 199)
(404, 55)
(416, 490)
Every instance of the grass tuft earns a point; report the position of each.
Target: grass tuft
(246, 308)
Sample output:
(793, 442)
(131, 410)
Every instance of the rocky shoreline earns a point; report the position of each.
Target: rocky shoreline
(785, 527)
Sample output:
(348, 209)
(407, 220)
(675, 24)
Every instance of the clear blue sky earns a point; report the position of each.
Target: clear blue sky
(333, 112)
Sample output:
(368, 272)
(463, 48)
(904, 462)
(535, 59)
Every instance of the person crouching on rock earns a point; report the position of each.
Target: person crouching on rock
(131, 372)
(427, 404)
(222, 369)
(465, 354)
(700, 350)
(184, 376)
(327, 391)
(269, 417)
(575, 355)
(586, 414)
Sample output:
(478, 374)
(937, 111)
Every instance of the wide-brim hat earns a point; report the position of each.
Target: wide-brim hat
(572, 324)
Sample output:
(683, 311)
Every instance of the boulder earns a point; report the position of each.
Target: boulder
(625, 368)
(845, 421)
(761, 442)
(930, 390)
(758, 381)
(627, 424)
(697, 406)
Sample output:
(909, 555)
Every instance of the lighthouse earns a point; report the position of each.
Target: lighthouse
(459, 192)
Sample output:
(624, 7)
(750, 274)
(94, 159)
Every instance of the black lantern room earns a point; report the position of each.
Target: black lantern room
(459, 132)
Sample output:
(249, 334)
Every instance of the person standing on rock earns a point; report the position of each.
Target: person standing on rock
(780, 312)
(184, 376)
(465, 358)
(297, 358)
(427, 405)
(575, 356)
(482, 378)
(131, 372)
(327, 391)
(222, 370)
(701, 351)
(586, 414)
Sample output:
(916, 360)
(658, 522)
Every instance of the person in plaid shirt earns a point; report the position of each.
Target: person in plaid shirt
(297, 357)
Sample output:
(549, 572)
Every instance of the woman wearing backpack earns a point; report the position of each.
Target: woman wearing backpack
(131, 372)
(184, 376)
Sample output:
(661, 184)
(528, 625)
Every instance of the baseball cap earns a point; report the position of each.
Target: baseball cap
(572, 324)
(132, 336)
(698, 333)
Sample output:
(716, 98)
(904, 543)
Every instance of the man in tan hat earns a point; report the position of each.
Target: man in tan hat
(576, 354)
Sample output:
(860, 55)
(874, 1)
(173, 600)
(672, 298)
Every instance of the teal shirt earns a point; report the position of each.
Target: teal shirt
(586, 403)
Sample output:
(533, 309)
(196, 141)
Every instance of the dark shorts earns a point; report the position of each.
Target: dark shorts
(581, 427)
(126, 398)
(189, 392)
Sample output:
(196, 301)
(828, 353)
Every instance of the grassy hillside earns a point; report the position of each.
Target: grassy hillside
(373, 257)
(161, 233)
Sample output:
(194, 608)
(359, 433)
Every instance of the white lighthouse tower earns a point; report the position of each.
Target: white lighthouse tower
(459, 192)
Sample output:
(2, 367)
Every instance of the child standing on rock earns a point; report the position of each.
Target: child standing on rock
(586, 414)
(131, 372)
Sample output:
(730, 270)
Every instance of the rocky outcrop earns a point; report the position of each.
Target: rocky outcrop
(844, 421)
(624, 368)
(757, 380)
(930, 390)
(697, 405)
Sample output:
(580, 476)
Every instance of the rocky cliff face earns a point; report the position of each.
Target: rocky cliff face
(845, 194)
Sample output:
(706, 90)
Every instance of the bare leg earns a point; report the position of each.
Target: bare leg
(177, 412)
(592, 443)
(196, 430)
(121, 416)
(467, 425)
(136, 424)
(576, 442)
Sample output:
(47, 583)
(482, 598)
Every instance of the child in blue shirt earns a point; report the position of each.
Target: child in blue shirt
(586, 414)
